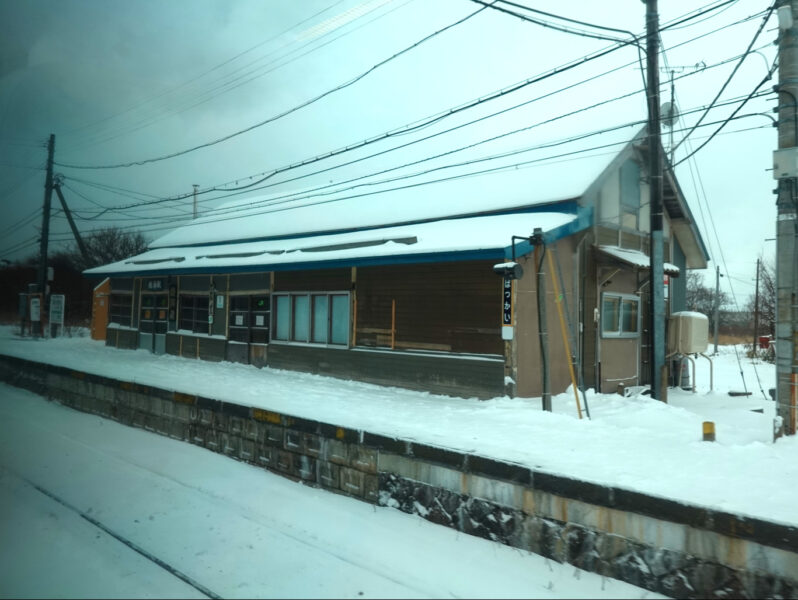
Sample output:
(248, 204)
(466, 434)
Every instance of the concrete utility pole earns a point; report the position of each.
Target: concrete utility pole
(195, 200)
(717, 306)
(756, 309)
(786, 171)
(45, 234)
(657, 310)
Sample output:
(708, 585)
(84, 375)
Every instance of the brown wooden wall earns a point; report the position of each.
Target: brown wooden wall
(445, 306)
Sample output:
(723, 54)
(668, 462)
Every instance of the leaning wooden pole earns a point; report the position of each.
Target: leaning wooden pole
(567, 345)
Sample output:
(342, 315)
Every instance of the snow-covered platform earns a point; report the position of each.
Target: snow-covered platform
(449, 459)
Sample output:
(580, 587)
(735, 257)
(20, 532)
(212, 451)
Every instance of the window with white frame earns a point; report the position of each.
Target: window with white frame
(620, 315)
(311, 317)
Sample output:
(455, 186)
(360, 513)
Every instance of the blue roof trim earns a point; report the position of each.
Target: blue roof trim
(564, 206)
(584, 219)
(406, 259)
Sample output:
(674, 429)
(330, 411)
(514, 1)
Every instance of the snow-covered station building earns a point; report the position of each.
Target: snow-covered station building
(400, 287)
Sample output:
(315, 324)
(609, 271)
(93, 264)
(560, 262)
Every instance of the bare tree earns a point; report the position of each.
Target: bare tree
(701, 298)
(766, 306)
(103, 246)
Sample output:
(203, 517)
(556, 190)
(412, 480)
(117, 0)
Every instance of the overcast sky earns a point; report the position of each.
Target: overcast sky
(125, 82)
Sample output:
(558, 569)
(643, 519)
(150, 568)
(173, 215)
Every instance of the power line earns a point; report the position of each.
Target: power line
(287, 112)
(269, 209)
(425, 159)
(247, 77)
(351, 82)
(731, 76)
(424, 123)
(204, 73)
(730, 117)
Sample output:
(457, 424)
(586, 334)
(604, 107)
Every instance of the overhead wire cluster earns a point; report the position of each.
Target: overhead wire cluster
(179, 206)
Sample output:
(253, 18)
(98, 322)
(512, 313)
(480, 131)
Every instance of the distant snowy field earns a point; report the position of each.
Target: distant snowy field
(636, 443)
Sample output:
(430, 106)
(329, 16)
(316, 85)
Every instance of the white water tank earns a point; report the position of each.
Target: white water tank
(688, 333)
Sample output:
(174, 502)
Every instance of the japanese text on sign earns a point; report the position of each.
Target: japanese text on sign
(507, 302)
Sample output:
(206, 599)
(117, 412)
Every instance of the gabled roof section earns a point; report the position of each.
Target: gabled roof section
(472, 238)
(551, 174)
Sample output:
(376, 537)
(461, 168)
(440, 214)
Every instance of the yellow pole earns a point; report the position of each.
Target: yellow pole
(558, 303)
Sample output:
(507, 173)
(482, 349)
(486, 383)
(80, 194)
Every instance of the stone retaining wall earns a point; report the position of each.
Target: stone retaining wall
(659, 544)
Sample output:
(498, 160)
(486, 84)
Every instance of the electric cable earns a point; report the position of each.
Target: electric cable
(236, 82)
(204, 73)
(351, 82)
(731, 75)
(288, 111)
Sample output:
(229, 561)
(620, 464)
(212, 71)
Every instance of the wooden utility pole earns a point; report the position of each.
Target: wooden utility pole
(79, 240)
(657, 309)
(45, 233)
(786, 223)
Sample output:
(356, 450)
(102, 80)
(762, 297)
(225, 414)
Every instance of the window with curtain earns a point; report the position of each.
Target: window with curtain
(313, 317)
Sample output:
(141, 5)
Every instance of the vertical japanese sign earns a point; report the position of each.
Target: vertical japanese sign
(507, 309)
(57, 302)
(35, 309)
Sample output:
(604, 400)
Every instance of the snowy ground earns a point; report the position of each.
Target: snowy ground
(636, 442)
(233, 529)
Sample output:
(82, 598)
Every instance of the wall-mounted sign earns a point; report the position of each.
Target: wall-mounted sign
(507, 309)
(258, 320)
(507, 302)
(155, 285)
(35, 309)
(57, 302)
(239, 320)
(220, 301)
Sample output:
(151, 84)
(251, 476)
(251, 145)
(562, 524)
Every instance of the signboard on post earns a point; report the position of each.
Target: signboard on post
(507, 309)
(35, 308)
(57, 303)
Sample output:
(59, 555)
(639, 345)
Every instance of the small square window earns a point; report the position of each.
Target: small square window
(620, 315)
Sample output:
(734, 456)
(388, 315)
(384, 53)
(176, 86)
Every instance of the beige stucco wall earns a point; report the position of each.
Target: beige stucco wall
(527, 341)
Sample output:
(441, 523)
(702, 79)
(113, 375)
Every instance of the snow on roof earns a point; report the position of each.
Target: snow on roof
(442, 194)
(489, 235)
(636, 258)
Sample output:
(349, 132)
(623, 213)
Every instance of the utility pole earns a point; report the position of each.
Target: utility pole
(756, 308)
(717, 305)
(657, 310)
(786, 248)
(195, 200)
(45, 234)
(79, 240)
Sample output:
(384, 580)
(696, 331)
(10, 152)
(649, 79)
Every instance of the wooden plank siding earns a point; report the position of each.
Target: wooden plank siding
(446, 306)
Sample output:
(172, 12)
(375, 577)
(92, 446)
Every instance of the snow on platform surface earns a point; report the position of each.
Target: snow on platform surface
(635, 442)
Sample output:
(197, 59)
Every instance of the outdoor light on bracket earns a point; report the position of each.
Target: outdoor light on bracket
(512, 269)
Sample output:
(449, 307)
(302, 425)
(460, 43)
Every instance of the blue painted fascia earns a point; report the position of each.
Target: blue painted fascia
(584, 220)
